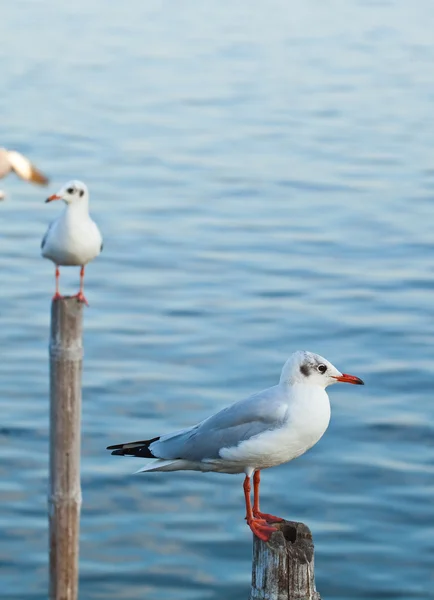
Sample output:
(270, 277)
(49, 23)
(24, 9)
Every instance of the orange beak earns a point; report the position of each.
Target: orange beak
(345, 378)
(53, 197)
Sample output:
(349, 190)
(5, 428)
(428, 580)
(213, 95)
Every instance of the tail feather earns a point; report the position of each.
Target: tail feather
(140, 448)
(163, 465)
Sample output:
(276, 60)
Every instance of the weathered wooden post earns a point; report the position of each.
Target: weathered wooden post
(64, 499)
(283, 568)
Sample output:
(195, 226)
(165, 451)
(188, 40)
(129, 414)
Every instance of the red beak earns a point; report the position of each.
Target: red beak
(53, 197)
(345, 378)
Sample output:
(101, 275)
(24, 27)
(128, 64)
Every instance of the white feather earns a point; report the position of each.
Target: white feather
(20, 164)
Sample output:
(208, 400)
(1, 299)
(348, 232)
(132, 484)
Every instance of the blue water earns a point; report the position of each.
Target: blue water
(263, 174)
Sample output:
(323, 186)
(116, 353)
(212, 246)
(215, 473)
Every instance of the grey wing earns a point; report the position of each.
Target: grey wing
(44, 239)
(226, 429)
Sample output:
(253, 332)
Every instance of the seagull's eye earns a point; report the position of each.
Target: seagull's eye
(70, 190)
(81, 193)
(322, 368)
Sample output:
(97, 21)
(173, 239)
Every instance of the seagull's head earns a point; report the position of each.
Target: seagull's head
(71, 193)
(312, 369)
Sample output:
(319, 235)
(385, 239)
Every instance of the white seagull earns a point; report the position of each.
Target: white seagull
(10, 160)
(73, 239)
(264, 430)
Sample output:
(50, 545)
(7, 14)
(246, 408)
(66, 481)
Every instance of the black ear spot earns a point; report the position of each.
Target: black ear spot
(304, 370)
(81, 193)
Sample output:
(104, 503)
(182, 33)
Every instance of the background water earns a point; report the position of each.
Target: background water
(263, 173)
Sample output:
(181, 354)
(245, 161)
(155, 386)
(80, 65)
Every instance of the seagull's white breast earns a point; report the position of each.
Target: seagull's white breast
(72, 240)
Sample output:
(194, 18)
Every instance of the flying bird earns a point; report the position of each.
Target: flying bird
(10, 160)
(73, 239)
(262, 431)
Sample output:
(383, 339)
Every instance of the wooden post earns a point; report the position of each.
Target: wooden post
(64, 500)
(283, 568)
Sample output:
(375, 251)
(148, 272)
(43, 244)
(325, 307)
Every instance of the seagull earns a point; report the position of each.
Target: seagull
(73, 239)
(267, 429)
(10, 160)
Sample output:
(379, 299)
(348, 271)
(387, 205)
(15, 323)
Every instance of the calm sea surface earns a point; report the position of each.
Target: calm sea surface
(263, 174)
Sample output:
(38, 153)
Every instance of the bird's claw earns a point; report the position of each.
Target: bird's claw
(81, 298)
(260, 528)
(57, 296)
(267, 517)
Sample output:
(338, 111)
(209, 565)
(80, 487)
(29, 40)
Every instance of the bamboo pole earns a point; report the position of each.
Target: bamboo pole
(64, 500)
(283, 568)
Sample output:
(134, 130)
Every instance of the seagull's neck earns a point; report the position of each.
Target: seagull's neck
(77, 209)
(303, 393)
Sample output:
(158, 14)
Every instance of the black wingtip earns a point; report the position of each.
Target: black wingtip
(118, 452)
(140, 448)
(115, 447)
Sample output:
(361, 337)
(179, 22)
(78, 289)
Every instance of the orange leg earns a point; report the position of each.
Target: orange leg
(256, 524)
(256, 512)
(57, 293)
(80, 296)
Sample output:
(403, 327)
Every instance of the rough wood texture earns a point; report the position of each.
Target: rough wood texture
(64, 500)
(283, 568)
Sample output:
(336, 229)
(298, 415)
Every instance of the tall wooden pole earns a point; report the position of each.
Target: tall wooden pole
(283, 568)
(64, 500)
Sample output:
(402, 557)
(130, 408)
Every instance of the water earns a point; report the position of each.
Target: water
(263, 176)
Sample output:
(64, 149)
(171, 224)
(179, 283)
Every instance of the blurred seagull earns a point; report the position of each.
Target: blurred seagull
(265, 430)
(73, 239)
(10, 160)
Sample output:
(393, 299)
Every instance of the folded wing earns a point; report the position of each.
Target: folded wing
(262, 412)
